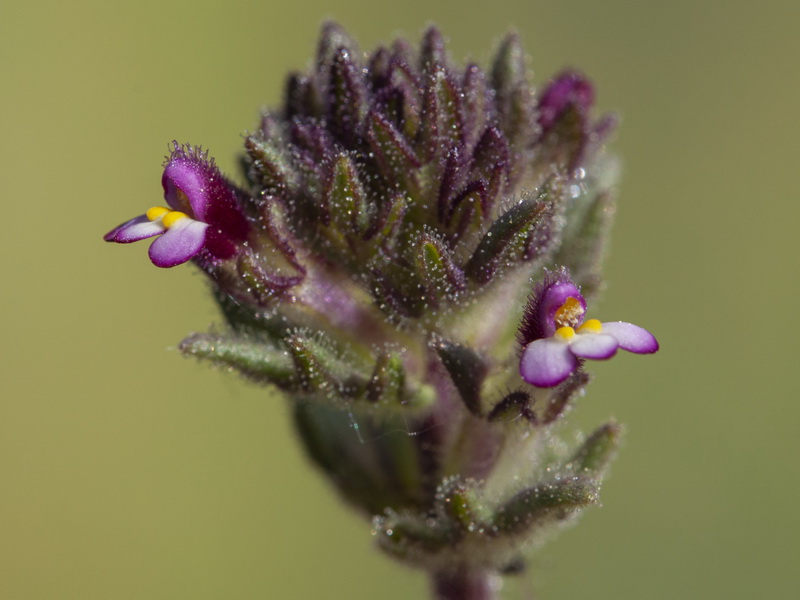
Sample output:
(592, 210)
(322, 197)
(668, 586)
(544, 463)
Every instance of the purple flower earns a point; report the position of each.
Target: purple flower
(203, 214)
(555, 337)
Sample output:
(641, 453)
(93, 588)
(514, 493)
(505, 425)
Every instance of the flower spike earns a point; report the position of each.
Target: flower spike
(396, 208)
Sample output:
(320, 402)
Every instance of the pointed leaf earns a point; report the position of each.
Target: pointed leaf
(561, 396)
(251, 358)
(387, 384)
(411, 538)
(394, 154)
(508, 70)
(490, 155)
(585, 238)
(544, 504)
(379, 68)
(302, 97)
(434, 50)
(409, 111)
(347, 103)
(467, 371)
(312, 364)
(477, 105)
(388, 223)
(467, 216)
(437, 270)
(442, 118)
(452, 181)
(594, 456)
(506, 235)
(513, 407)
(345, 197)
(270, 166)
(458, 501)
(332, 38)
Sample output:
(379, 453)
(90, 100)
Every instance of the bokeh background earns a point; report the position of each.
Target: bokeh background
(127, 472)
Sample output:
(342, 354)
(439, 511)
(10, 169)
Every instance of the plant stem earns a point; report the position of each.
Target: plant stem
(463, 584)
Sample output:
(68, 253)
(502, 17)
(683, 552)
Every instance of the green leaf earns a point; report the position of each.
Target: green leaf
(387, 384)
(396, 158)
(313, 364)
(434, 50)
(458, 501)
(406, 536)
(585, 238)
(384, 232)
(345, 197)
(467, 371)
(513, 407)
(348, 97)
(508, 70)
(331, 39)
(270, 166)
(506, 236)
(251, 358)
(544, 504)
(442, 118)
(594, 456)
(437, 269)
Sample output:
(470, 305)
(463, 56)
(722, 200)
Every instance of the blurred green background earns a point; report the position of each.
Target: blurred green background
(128, 472)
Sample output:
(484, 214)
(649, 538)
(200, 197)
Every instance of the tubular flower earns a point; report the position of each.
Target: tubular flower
(555, 336)
(203, 213)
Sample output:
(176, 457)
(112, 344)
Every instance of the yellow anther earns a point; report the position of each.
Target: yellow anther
(156, 212)
(565, 333)
(173, 217)
(591, 326)
(569, 314)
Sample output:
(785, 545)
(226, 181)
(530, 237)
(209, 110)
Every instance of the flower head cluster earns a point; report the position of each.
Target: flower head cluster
(398, 210)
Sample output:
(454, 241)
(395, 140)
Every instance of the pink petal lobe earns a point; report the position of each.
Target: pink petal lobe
(138, 228)
(185, 186)
(180, 243)
(631, 337)
(547, 362)
(598, 346)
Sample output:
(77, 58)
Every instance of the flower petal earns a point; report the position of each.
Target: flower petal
(181, 242)
(631, 337)
(185, 182)
(598, 346)
(547, 362)
(138, 228)
(194, 185)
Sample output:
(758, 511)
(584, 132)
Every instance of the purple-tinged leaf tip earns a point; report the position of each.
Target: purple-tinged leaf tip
(569, 88)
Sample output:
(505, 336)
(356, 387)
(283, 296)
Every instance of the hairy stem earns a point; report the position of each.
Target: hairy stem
(464, 584)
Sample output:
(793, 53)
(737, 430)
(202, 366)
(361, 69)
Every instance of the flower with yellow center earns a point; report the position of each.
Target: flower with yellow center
(556, 339)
